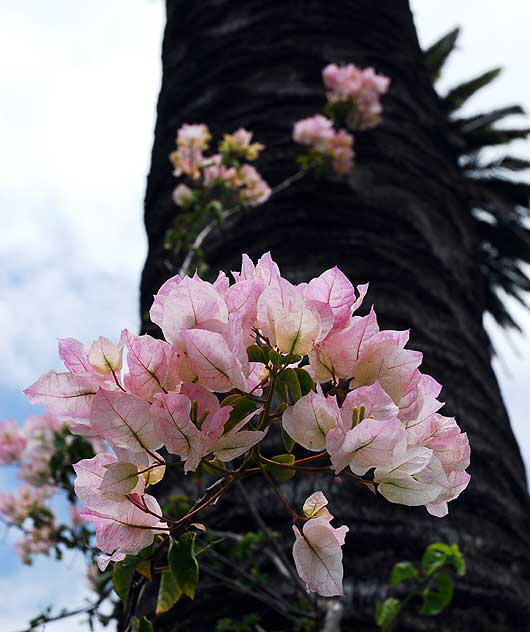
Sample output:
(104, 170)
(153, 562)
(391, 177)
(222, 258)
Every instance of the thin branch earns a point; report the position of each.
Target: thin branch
(71, 613)
(199, 240)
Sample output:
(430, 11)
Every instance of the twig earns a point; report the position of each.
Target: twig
(71, 613)
(199, 240)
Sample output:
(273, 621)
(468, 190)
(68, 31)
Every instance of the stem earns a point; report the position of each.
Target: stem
(71, 613)
(315, 457)
(274, 543)
(198, 241)
(205, 504)
(323, 468)
(280, 496)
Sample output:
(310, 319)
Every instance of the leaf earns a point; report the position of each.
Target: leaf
(168, 592)
(305, 381)
(141, 625)
(144, 568)
(183, 563)
(241, 407)
(479, 121)
(282, 473)
(386, 613)
(435, 556)
(450, 553)
(458, 96)
(492, 136)
(287, 441)
(401, 572)
(436, 55)
(122, 574)
(258, 353)
(289, 377)
(436, 600)
(513, 163)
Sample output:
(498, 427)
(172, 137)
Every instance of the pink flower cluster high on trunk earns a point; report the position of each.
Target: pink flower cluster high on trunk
(353, 102)
(358, 88)
(371, 410)
(337, 146)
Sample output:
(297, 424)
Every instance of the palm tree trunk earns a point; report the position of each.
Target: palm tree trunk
(401, 222)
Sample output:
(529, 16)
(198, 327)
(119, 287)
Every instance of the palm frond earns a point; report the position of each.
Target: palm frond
(456, 97)
(499, 205)
(479, 121)
(436, 55)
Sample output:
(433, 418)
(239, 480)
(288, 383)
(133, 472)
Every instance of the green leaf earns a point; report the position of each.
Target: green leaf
(437, 599)
(275, 358)
(401, 572)
(287, 441)
(144, 568)
(386, 613)
(122, 574)
(241, 407)
(458, 96)
(168, 592)
(434, 557)
(282, 391)
(141, 625)
(282, 473)
(258, 353)
(183, 563)
(436, 55)
(305, 381)
(289, 377)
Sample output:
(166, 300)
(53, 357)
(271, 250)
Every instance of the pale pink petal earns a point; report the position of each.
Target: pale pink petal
(216, 366)
(121, 479)
(104, 560)
(317, 555)
(372, 443)
(335, 289)
(377, 404)
(235, 444)
(90, 473)
(309, 420)
(106, 357)
(74, 355)
(127, 528)
(314, 504)
(64, 394)
(152, 366)
(175, 429)
(192, 303)
(125, 420)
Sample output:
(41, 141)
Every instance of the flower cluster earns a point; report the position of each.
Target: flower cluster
(353, 102)
(356, 93)
(29, 510)
(32, 448)
(337, 146)
(238, 360)
(221, 177)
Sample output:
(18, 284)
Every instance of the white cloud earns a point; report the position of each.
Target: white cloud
(76, 119)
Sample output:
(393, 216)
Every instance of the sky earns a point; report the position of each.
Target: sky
(78, 94)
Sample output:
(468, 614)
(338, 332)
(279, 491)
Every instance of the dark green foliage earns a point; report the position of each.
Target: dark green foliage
(430, 584)
(499, 205)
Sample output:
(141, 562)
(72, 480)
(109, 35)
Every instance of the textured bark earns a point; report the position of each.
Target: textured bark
(400, 223)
